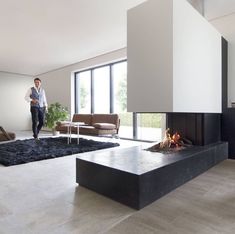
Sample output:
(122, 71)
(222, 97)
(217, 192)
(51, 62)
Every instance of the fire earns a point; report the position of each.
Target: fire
(171, 143)
(175, 139)
(169, 140)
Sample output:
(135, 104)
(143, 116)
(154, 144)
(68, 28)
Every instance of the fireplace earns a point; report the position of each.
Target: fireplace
(189, 129)
(171, 143)
(136, 177)
(199, 128)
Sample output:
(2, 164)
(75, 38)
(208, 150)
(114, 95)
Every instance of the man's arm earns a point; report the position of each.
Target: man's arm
(27, 95)
(44, 99)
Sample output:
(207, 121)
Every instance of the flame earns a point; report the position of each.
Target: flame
(169, 140)
(175, 138)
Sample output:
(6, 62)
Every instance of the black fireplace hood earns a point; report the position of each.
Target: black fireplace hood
(200, 128)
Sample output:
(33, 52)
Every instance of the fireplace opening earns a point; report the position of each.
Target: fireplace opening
(171, 143)
(189, 129)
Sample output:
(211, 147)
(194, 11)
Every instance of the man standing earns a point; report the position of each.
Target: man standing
(38, 104)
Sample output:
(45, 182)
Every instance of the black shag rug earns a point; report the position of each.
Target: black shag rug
(24, 151)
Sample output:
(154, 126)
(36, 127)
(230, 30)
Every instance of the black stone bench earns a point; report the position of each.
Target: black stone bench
(136, 177)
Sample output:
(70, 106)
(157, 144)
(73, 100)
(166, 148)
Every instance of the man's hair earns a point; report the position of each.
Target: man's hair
(37, 79)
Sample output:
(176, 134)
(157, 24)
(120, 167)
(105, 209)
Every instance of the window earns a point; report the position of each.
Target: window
(83, 84)
(119, 75)
(104, 90)
(101, 79)
(150, 126)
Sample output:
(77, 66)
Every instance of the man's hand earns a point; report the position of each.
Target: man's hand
(34, 101)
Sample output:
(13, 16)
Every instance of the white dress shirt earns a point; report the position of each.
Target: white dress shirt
(42, 100)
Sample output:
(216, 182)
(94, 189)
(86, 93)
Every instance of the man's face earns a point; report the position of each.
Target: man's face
(37, 83)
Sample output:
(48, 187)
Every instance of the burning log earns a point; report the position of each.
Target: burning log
(166, 143)
(169, 142)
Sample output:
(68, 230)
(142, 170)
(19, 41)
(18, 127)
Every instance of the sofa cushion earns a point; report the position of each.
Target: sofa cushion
(105, 118)
(85, 118)
(87, 130)
(104, 126)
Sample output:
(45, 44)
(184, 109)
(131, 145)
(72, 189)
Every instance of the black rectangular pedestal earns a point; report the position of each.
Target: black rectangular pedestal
(136, 177)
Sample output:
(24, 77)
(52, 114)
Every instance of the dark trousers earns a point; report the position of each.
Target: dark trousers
(37, 114)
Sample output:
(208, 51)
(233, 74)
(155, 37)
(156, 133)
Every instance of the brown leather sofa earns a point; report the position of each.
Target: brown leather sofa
(94, 124)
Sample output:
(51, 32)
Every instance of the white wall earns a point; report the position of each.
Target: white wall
(225, 26)
(59, 84)
(150, 60)
(14, 110)
(174, 59)
(197, 62)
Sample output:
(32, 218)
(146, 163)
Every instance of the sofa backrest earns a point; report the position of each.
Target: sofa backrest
(86, 118)
(106, 118)
(91, 119)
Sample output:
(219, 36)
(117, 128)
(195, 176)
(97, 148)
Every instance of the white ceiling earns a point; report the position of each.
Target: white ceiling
(37, 36)
(217, 8)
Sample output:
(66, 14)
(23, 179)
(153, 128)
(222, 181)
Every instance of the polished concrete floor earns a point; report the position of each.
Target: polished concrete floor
(43, 197)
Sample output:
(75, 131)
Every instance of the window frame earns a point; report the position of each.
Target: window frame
(111, 88)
